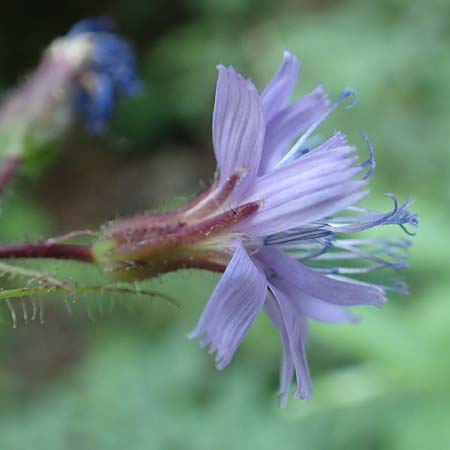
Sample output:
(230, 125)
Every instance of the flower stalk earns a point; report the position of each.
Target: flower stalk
(47, 250)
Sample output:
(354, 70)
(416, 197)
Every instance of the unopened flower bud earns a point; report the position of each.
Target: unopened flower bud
(82, 74)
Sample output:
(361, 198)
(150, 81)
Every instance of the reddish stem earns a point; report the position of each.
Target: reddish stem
(8, 171)
(47, 250)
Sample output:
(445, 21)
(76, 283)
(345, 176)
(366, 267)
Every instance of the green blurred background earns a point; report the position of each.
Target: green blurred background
(119, 371)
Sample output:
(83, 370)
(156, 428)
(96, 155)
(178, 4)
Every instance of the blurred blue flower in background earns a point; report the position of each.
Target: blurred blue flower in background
(83, 73)
(110, 72)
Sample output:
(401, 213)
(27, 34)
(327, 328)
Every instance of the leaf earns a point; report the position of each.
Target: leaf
(41, 283)
(27, 292)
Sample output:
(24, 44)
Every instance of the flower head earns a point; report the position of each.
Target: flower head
(275, 222)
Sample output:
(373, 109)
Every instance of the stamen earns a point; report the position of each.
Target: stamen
(398, 216)
(401, 216)
(296, 235)
(371, 160)
(384, 248)
(303, 243)
(401, 243)
(298, 146)
(397, 264)
(345, 94)
(400, 287)
(351, 270)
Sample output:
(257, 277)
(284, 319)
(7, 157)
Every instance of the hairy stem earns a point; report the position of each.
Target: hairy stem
(47, 250)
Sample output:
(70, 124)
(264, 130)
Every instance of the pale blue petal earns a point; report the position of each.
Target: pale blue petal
(281, 87)
(287, 364)
(313, 307)
(296, 329)
(337, 140)
(281, 268)
(238, 126)
(325, 312)
(290, 123)
(232, 308)
(303, 191)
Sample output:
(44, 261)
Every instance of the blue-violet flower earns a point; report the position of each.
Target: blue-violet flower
(274, 221)
(110, 71)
